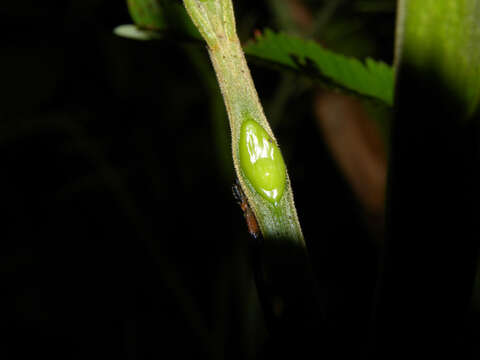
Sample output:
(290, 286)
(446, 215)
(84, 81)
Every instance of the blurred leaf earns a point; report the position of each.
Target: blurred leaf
(148, 14)
(443, 37)
(161, 16)
(131, 31)
(371, 78)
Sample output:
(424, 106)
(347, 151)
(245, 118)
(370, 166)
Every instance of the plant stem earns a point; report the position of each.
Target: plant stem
(432, 216)
(215, 21)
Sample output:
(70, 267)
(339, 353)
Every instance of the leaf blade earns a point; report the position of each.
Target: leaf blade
(371, 78)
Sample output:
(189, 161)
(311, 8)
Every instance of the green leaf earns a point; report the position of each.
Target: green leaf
(148, 14)
(443, 37)
(371, 78)
(161, 16)
(131, 31)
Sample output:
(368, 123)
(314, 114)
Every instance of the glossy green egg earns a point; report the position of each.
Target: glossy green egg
(262, 161)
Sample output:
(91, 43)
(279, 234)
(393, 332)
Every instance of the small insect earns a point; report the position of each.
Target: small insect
(252, 223)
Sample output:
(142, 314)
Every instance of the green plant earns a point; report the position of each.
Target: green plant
(433, 90)
(264, 173)
(429, 264)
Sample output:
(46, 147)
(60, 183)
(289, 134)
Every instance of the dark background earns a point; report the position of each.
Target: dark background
(120, 238)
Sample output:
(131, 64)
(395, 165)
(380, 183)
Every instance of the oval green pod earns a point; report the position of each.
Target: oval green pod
(262, 161)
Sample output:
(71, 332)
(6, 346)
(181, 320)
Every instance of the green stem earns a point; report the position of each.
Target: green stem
(215, 21)
(432, 199)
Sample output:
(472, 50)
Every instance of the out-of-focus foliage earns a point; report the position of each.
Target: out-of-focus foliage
(162, 16)
(371, 78)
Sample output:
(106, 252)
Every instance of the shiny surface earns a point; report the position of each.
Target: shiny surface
(262, 162)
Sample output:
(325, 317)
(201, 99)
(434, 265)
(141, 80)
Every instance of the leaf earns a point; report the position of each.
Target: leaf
(371, 78)
(162, 16)
(148, 14)
(374, 79)
(443, 38)
(131, 31)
